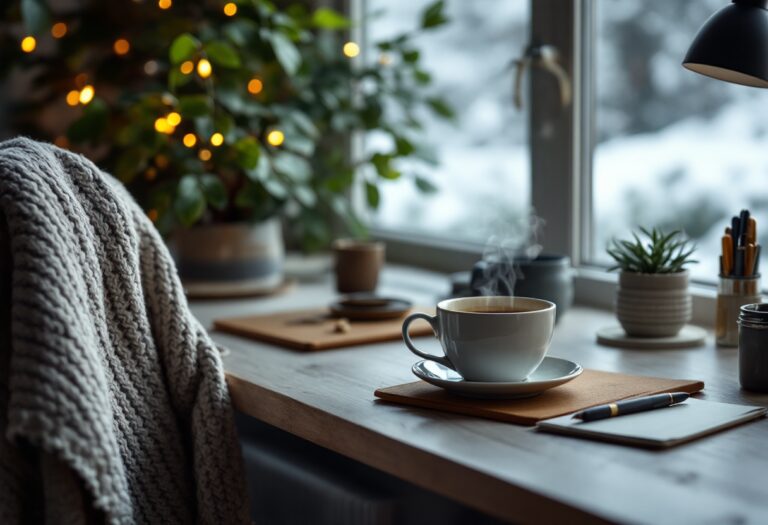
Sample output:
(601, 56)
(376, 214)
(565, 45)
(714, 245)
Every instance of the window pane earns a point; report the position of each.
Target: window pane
(673, 148)
(483, 167)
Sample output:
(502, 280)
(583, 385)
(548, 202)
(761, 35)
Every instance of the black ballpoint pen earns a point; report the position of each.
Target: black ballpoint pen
(631, 406)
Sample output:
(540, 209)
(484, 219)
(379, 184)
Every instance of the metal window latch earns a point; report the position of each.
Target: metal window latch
(547, 58)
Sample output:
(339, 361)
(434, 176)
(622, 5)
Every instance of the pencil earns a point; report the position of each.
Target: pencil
(749, 260)
(727, 254)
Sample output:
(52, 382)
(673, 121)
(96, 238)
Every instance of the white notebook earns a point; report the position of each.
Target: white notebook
(663, 427)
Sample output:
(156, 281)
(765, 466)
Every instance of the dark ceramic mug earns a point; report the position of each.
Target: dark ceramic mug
(548, 277)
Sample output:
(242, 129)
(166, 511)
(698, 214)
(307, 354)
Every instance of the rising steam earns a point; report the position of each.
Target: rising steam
(513, 242)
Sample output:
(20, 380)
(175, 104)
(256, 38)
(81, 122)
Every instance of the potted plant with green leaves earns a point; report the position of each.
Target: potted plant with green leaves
(652, 298)
(230, 122)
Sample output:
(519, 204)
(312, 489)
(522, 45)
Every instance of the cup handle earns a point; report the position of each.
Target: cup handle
(432, 320)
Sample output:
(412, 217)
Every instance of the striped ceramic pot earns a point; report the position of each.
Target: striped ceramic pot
(244, 254)
(653, 305)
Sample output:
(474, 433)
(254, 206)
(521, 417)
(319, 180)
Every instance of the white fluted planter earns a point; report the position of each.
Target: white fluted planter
(653, 305)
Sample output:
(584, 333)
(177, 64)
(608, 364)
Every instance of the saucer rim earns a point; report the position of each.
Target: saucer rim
(495, 385)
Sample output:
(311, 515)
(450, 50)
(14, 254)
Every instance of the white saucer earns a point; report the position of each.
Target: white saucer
(552, 372)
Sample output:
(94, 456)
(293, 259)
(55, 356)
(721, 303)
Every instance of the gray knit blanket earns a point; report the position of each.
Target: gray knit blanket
(113, 403)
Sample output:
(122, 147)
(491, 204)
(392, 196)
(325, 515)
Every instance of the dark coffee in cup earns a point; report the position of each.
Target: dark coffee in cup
(496, 310)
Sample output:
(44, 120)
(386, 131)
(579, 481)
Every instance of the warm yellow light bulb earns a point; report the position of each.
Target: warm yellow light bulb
(153, 215)
(255, 86)
(230, 9)
(121, 46)
(275, 137)
(351, 49)
(58, 30)
(187, 67)
(204, 154)
(164, 4)
(174, 119)
(73, 97)
(161, 125)
(204, 68)
(151, 173)
(86, 94)
(217, 139)
(28, 44)
(189, 140)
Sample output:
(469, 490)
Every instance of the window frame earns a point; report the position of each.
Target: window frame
(561, 147)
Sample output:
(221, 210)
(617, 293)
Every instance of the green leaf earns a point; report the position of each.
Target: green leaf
(305, 195)
(276, 188)
(411, 56)
(92, 124)
(286, 52)
(424, 185)
(422, 77)
(248, 152)
(403, 146)
(214, 191)
(292, 166)
(262, 170)
(189, 204)
(177, 79)
(241, 31)
(441, 107)
(36, 16)
(327, 18)
(383, 166)
(372, 195)
(183, 48)
(433, 15)
(192, 106)
(222, 54)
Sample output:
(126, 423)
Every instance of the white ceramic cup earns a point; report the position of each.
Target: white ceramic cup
(481, 346)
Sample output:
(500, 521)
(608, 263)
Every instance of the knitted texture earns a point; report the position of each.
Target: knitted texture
(112, 396)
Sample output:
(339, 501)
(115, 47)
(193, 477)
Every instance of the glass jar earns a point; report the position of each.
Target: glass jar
(732, 294)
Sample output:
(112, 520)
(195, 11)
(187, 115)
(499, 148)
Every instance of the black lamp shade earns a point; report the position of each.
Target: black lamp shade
(733, 45)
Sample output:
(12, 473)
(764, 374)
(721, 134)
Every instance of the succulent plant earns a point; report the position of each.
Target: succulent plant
(659, 252)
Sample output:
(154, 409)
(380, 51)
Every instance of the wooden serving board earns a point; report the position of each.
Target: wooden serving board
(313, 330)
(591, 388)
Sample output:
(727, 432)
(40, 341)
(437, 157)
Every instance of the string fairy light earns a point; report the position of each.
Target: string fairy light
(73, 98)
(162, 126)
(351, 49)
(173, 119)
(164, 4)
(59, 30)
(217, 139)
(204, 68)
(255, 86)
(276, 137)
(189, 140)
(28, 44)
(230, 9)
(87, 94)
(121, 46)
(204, 155)
(187, 67)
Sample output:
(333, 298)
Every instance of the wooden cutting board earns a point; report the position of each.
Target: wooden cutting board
(315, 330)
(591, 388)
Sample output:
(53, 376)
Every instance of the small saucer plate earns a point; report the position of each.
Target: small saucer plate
(369, 307)
(552, 372)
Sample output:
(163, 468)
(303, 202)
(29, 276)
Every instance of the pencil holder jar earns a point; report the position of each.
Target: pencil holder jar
(753, 347)
(732, 294)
